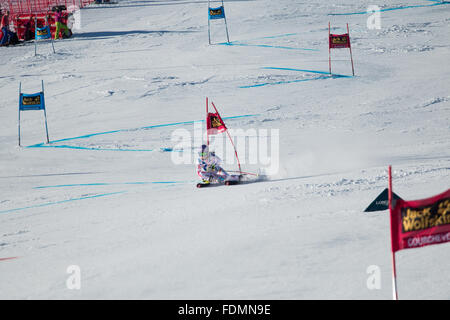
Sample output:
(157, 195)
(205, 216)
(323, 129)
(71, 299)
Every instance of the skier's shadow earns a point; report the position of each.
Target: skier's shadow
(267, 178)
(295, 178)
(264, 178)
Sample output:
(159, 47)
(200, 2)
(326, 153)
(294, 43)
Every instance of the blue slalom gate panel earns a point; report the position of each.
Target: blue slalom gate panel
(31, 101)
(216, 13)
(43, 33)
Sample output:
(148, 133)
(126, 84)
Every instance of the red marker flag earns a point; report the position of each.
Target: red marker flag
(214, 123)
(420, 223)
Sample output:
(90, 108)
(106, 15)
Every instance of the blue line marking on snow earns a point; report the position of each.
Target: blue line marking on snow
(277, 36)
(189, 122)
(238, 43)
(245, 43)
(80, 137)
(391, 9)
(88, 148)
(43, 145)
(310, 71)
(271, 37)
(111, 184)
(62, 201)
(326, 75)
(282, 82)
(173, 150)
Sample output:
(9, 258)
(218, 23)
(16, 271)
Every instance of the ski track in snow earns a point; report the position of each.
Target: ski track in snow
(299, 233)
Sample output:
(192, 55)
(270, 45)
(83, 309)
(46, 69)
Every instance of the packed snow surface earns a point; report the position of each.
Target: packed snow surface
(107, 195)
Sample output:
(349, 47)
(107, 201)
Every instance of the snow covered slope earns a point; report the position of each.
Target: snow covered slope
(106, 197)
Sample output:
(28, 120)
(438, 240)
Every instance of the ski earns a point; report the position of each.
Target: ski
(203, 185)
(231, 183)
(226, 183)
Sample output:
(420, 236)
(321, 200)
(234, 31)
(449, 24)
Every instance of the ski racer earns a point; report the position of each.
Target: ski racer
(210, 171)
(208, 167)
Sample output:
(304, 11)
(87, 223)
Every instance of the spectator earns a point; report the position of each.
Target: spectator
(60, 25)
(4, 25)
(28, 34)
(1, 15)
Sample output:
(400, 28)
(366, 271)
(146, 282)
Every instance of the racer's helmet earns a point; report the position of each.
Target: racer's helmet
(204, 151)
